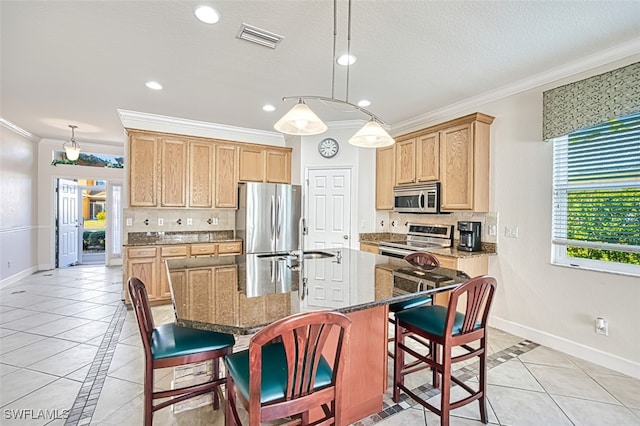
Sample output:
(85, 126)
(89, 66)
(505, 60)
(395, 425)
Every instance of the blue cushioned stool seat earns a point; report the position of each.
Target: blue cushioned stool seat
(170, 340)
(431, 319)
(411, 303)
(274, 372)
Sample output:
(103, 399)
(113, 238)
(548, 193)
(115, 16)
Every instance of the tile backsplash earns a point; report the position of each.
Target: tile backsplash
(397, 222)
(175, 220)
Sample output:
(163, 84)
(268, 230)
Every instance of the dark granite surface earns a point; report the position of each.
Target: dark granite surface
(241, 294)
(181, 237)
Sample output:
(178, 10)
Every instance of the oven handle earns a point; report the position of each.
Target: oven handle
(394, 252)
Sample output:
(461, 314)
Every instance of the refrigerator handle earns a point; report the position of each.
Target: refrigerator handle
(279, 217)
(302, 231)
(273, 217)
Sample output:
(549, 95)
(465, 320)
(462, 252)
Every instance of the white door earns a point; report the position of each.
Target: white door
(114, 223)
(328, 208)
(67, 222)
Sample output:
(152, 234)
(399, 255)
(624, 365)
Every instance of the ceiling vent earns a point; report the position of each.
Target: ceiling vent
(259, 36)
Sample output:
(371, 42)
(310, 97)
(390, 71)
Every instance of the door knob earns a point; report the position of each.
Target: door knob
(346, 237)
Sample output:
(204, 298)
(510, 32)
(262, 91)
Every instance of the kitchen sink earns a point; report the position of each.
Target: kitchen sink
(310, 254)
(317, 254)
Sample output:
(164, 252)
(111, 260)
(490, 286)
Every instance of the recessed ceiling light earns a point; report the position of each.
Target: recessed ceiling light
(153, 85)
(207, 14)
(364, 103)
(269, 108)
(347, 60)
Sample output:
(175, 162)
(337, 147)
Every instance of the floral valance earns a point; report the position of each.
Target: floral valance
(591, 101)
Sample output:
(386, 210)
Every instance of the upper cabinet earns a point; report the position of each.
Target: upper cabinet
(455, 153)
(385, 177)
(261, 164)
(177, 171)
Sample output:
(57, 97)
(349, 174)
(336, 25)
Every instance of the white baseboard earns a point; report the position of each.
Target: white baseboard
(570, 347)
(17, 277)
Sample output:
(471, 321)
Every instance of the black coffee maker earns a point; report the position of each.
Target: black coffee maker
(470, 236)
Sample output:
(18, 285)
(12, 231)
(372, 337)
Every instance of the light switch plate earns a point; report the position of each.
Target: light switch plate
(129, 221)
(189, 221)
(160, 221)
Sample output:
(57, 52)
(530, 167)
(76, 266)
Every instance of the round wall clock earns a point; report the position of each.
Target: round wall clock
(328, 147)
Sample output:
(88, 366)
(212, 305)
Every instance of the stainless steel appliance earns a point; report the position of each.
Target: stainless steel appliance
(470, 233)
(423, 198)
(419, 237)
(268, 218)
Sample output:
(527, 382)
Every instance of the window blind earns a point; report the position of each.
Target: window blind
(597, 187)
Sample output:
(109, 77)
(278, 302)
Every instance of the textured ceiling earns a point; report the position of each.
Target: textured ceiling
(77, 62)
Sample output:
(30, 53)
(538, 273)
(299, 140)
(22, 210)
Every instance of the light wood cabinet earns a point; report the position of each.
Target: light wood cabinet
(385, 177)
(173, 175)
(142, 262)
(204, 249)
(406, 162)
(169, 252)
(226, 176)
(260, 164)
(201, 179)
(229, 249)
(428, 158)
(143, 170)
(369, 247)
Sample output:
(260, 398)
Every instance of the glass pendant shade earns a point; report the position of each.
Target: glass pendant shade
(300, 120)
(71, 148)
(372, 135)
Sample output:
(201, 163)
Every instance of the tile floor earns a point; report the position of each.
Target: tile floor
(70, 354)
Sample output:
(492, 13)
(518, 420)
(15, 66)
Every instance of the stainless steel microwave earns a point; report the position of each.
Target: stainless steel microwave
(423, 198)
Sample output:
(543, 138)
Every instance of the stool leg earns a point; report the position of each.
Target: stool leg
(435, 356)
(445, 400)
(216, 376)
(483, 382)
(398, 362)
(148, 395)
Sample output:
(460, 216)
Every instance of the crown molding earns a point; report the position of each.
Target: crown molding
(166, 124)
(587, 63)
(19, 130)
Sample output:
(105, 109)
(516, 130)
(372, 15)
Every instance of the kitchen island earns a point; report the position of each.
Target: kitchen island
(242, 294)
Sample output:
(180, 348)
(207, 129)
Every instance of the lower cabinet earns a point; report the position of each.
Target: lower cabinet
(148, 264)
(369, 247)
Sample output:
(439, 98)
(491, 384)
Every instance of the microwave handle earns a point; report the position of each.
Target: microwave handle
(421, 200)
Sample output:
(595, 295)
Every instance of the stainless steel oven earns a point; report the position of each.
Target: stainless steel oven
(417, 198)
(420, 237)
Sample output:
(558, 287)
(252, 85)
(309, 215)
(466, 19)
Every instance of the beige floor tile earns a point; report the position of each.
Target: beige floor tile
(67, 361)
(589, 413)
(513, 374)
(469, 411)
(123, 355)
(22, 382)
(516, 407)
(590, 367)
(80, 374)
(37, 351)
(570, 382)
(547, 356)
(7, 369)
(115, 394)
(85, 332)
(60, 326)
(18, 340)
(73, 307)
(54, 397)
(13, 315)
(625, 389)
(410, 416)
(97, 313)
(4, 332)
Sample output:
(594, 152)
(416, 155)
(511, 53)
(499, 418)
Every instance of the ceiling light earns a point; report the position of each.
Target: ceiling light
(269, 108)
(71, 148)
(364, 103)
(207, 14)
(302, 121)
(153, 85)
(347, 60)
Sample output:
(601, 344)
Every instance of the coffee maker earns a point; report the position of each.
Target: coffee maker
(469, 236)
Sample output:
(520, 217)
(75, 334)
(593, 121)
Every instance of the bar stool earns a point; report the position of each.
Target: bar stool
(170, 345)
(446, 328)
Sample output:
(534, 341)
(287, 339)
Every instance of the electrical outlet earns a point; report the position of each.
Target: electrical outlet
(215, 221)
(189, 221)
(9, 264)
(160, 221)
(129, 221)
(492, 230)
(602, 327)
(511, 231)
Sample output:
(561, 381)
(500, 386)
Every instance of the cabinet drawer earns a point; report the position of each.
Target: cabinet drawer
(203, 249)
(141, 252)
(166, 251)
(230, 248)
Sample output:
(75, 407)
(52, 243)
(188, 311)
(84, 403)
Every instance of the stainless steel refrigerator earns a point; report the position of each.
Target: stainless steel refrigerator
(268, 218)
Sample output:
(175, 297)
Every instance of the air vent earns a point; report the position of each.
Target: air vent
(259, 36)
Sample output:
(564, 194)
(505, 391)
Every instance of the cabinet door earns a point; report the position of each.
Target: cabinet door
(226, 294)
(456, 163)
(428, 158)
(226, 176)
(145, 268)
(385, 177)
(406, 162)
(174, 172)
(278, 166)
(200, 293)
(369, 248)
(251, 164)
(169, 252)
(201, 174)
(143, 170)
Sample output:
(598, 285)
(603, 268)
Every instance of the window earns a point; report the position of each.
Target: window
(596, 206)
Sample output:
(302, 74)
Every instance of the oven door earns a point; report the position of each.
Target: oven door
(397, 252)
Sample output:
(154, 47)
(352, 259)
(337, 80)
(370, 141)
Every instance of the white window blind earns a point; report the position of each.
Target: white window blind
(596, 206)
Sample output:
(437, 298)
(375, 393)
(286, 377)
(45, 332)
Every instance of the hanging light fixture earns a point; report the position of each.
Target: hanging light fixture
(71, 148)
(300, 120)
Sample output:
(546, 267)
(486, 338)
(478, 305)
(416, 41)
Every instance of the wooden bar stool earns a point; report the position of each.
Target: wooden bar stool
(284, 374)
(170, 345)
(446, 328)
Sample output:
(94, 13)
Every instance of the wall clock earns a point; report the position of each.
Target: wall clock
(328, 147)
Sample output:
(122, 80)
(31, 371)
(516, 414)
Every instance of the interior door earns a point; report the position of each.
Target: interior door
(328, 208)
(114, 223)
(67, 222)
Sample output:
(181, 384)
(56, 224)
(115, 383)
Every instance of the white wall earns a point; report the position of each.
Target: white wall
(18, 219)
(47, 175)
(551, 305)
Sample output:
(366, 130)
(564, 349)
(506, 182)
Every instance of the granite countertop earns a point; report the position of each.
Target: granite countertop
(241, 294)
(488, 249)
(186, 237)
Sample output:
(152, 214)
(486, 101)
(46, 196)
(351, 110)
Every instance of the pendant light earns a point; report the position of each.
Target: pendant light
(71, 148)
(300, 120)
